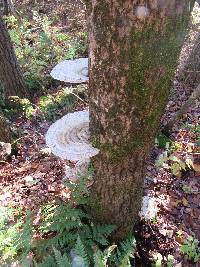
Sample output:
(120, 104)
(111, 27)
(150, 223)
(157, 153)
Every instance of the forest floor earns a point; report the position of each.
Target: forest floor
(31, 176)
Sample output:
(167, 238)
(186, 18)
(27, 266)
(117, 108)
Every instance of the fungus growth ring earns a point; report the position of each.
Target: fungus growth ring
(68, 137)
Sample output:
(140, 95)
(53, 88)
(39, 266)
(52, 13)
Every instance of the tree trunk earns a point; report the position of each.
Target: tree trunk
(5, 8)
(183, 110)
(10, 8)
(5, 133)
(10, 74)
(134, 49)
(190, 74)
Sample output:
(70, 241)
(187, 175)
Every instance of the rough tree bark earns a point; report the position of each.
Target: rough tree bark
(8, 7)
(10, 73)
(190, 74)
(5, 133)
(134, 48)
(183, 110)
(4, 7)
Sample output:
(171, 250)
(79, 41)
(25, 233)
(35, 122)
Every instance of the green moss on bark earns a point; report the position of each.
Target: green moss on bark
(116, 153)
(154, 56)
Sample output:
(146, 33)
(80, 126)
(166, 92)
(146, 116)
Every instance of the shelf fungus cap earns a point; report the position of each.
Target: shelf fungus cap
(71, 71)
(68, 137)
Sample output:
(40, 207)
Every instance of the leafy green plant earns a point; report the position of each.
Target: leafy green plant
(48, 107)
(170, 261)
(74, 230)
(173, 163)
(187, 189)
(22, 105)
(196, 130)
(162, 140)
(15, 238)
(57, 259)
(68, 235)
(169, 159)
(101, 257)
(7, 234)
(157, 260)
(125, 252)
(39, 45)
(191, 248)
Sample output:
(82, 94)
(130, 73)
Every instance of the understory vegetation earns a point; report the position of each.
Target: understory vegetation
(64, 235)
(39, 46)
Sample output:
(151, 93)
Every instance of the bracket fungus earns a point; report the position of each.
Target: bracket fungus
(141, 12)
(71, 71)
(149, 208)
(68, 138)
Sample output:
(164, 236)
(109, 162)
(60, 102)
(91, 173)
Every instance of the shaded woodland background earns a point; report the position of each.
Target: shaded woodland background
(32, 184)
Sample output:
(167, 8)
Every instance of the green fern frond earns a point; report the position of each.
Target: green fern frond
(48, 261)
(61, 260)
(98, 259)
(58, 260)
(62, 240)
(126, 251)
(60, 218)
(101, 258)
(23, 240)
(80, 192)
(81, 251)
(92, 236)
(101, 233)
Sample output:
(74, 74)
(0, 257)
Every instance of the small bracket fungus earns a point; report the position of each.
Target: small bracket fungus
(141, 12)
(71, 71)
(149, 208)
(68, 138)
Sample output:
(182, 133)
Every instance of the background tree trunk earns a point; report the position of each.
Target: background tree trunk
(183, 110)
(4, 7)
(190, 74)
(134, 49)
(10, 74)
(5, 133)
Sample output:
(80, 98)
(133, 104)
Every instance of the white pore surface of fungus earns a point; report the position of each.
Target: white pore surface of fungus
(71, 71)
(141, 12)
(68, 137)
(149, 208)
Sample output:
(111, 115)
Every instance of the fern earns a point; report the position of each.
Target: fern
(63, 220)
(101, 258)
(15, 240)
(23, 240)
(81, 251)
(48, 261)
(58, 260)
(67, 228)
(62, 240)
(80, 193)
(93, 236)
(60, 218)
(61, 260)
(100, 233)
(126, 252)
